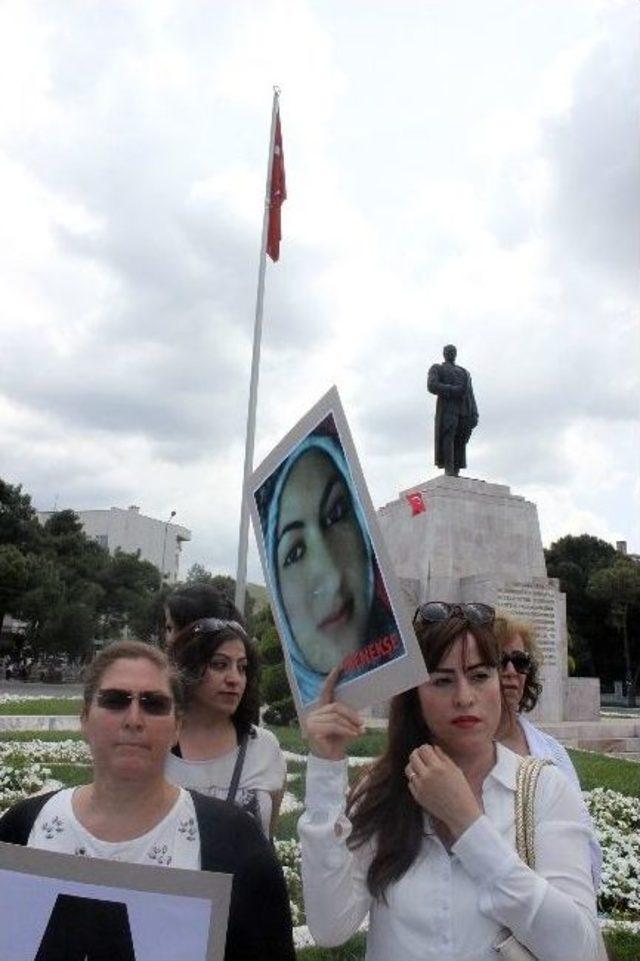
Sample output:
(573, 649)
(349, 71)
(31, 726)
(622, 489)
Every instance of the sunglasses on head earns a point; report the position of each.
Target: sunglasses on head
(154, 703)
(435, 611)
(521, 661)
(211, 625)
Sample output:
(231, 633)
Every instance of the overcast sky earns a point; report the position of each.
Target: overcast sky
(457, 172)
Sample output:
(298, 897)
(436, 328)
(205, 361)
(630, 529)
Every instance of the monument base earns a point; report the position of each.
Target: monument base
(462, 539)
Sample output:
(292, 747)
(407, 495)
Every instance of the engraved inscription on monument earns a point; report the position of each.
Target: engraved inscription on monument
(535, 603)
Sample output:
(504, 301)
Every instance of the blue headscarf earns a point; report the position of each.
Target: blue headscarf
(310, 681)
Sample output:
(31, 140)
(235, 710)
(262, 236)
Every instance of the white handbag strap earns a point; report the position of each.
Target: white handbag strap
(526, 782)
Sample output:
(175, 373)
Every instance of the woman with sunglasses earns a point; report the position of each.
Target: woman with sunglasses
(426, 842)
(221, 751)
(130, 812)
(519, 674)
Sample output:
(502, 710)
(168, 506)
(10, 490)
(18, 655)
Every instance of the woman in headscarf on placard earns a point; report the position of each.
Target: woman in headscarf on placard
(324, 576)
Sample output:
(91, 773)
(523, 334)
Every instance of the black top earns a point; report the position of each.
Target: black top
(231, 842)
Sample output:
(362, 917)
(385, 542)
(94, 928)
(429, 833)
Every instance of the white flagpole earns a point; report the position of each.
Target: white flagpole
(243, 541)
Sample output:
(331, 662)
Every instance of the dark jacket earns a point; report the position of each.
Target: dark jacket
(231, 842)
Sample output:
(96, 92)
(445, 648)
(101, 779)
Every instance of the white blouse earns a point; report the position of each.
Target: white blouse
(173, 842)
(263, 773)
(452, 905)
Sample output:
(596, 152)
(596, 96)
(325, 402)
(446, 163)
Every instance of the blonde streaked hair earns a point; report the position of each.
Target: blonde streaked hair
(505, 628)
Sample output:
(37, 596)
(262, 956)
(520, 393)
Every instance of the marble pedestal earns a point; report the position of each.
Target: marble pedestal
(477, 541)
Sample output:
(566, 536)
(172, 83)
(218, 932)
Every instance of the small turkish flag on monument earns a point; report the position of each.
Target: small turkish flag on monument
(277, 195)
(416, 502)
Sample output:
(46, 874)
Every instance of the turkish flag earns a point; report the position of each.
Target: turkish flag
(416, 502)
(277, 196)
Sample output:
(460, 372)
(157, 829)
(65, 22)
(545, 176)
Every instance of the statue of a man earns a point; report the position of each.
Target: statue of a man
(456, 411)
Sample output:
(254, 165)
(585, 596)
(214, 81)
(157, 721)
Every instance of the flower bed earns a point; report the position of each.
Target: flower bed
(19, 781)
(617, 822)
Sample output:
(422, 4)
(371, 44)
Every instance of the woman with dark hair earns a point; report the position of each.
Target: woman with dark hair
(520, 662)
(426, 843)
(131, 812)
(222, 751)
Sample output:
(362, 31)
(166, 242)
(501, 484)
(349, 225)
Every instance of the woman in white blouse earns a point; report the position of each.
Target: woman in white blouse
(426, 845)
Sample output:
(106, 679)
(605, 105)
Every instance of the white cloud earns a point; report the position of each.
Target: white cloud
(456, 172)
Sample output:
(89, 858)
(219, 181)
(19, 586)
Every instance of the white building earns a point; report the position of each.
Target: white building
(158, 541)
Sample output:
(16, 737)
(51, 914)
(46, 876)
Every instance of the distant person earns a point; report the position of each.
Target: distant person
(221, 748)
(131, 812)
(521, 659)
(456, 412)
(425, 844)
(326, 581)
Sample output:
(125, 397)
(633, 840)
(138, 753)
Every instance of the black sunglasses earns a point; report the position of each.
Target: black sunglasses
(435, 611)
(521, 661)
(154, 703)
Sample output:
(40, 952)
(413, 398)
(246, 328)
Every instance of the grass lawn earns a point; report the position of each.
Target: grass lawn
(371, 744)
(43, 705)
(598, 770)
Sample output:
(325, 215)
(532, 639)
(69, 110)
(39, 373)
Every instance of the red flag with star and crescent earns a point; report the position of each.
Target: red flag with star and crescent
(277, 196)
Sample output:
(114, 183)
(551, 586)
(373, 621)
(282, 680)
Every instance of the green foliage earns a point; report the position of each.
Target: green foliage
(18, 522)
(281, 712)
(274, 683)
(619, 585)
(269, 647)
(63, 585)
(577, 561)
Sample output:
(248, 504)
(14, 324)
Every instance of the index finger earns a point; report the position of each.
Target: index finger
(327, 694)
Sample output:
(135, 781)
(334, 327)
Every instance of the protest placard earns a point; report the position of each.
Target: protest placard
(334, 595)
(58, 906)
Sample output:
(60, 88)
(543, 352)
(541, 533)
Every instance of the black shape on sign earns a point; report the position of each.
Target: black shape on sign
(85, 929)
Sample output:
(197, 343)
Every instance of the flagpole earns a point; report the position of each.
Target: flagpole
(243, 540)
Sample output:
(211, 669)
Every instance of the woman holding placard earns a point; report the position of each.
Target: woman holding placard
(131, 812)
(426, 844)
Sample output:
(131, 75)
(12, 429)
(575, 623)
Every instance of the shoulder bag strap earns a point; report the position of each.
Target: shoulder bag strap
(526, 782)
(237, 769)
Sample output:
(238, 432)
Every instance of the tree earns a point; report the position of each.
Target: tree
(619, 586)
(274, 687)
(14, 572)
(18, 521)
(130, 588)
(573, 560)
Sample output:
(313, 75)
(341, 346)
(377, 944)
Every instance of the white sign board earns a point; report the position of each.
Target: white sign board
(57, 906)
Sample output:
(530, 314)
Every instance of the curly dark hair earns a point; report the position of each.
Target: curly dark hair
(380, 806)
(191, 651)
(506, 628)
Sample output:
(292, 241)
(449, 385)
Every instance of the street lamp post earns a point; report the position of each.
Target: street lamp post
(164, 545)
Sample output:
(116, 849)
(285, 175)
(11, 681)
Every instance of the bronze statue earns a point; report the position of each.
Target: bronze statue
(456, 411)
